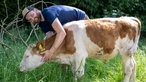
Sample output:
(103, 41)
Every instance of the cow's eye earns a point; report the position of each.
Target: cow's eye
(27, 56)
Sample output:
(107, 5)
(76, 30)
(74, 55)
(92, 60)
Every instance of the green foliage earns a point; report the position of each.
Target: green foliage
(94, 8)
(10, 8)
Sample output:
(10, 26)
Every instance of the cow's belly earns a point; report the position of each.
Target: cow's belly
(97, 52)
(122, 46)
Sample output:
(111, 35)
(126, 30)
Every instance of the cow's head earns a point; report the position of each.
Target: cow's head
(31, 59)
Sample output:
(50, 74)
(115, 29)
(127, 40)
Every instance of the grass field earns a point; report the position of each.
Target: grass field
(95, 70)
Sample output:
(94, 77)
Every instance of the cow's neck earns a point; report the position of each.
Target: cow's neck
(66, 47)
(47, 44)
(62, 59)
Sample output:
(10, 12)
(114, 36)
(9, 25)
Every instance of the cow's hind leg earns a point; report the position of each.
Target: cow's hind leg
(133, 75)
(129, 68)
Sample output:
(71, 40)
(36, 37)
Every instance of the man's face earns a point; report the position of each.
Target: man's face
(34, 16)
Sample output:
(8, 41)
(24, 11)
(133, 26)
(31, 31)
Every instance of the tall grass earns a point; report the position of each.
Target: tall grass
(95, 70)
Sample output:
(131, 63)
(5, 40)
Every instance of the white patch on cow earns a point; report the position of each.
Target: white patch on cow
(124, 45)
(30, 61)
(79, 32)
(81, 53)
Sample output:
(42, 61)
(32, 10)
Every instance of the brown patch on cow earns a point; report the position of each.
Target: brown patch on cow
(126, 28)
(35, 50)
(107, 32)
(66, 47)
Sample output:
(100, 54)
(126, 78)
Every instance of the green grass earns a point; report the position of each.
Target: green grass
(95, 70)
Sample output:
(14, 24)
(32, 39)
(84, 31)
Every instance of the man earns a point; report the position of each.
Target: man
(51, 19)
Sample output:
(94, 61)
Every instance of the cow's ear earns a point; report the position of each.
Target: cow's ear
(32, 45)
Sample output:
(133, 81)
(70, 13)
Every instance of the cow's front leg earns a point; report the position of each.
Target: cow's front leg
(78, 66)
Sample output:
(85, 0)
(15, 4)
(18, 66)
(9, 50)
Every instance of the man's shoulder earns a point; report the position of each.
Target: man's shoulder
(58, 8)
(47, 11)
(52, 7)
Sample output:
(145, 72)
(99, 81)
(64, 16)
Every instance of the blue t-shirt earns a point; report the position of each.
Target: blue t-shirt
(63, 13)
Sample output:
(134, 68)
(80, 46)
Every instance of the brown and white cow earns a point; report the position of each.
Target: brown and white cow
(99, 38)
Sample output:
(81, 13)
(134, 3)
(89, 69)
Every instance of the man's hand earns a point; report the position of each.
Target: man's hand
(47, 55)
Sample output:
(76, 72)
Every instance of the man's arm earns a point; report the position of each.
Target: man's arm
(60, 35)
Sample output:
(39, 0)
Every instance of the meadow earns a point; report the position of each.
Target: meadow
(95, 70)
